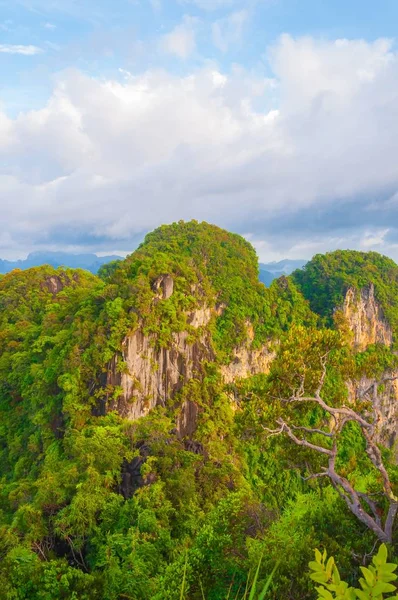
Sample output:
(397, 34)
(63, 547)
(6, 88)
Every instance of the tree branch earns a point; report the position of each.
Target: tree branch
(373, 506)
(372, 515)
(299, 442)
(310, 430)
(324, 360)
(343, 410)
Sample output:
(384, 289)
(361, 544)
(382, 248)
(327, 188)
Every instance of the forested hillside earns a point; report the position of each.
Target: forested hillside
(171, 426)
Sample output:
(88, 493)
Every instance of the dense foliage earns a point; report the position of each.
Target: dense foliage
(205, 512)
(326, 278)
(210, 267)
(375, 583)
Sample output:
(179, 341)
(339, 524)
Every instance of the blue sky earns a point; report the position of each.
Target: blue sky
(274, 118)
(100, 37)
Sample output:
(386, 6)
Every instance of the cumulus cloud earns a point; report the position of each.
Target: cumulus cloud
(304, 162)
(181, 40)
(20, 49)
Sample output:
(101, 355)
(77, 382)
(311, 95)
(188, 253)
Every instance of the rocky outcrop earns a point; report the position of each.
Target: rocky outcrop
(188, 418)
(248, 362)
(163, 286)
(365, 318)
(369, 325)
(148, 376)
(383, 394)
(53, 284)
(131, 478)
(145, 376)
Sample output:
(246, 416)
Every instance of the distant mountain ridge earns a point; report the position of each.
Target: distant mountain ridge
(273, 270)
(89, 262)
(92, 263)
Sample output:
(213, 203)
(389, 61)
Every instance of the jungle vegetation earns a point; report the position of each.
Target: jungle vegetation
(213, 524)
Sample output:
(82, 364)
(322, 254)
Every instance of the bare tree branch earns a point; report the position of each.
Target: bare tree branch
(352, 499)
(373, 506)
(299, 442)
(373, 452)
(316, 476)
(310, 430)
(272, 432)
(324, 360)
(342, 410)
(391, 515)
(359, 503)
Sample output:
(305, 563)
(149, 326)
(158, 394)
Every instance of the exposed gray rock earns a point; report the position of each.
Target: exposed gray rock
(369, 326)
(385, 404)
(54, 284)
(248, 361)
(366, 318)
(187, 421)
(164, 286)
(149, 376)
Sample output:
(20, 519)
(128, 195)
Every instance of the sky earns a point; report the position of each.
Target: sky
(276, 119)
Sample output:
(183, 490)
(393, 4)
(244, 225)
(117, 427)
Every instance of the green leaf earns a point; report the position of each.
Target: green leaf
(383, 588)
(336, 575)
(390, 567)
(387, 576)
(318, 556)
(329, 567)
(268, 583)
(382, 553)
(319, 577)
(182, 595)
(254, 584)
(315, 566)
(370, 578)
(323, 593)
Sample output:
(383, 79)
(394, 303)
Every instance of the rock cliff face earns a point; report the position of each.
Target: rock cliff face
(149, 376)
(385, 403)
(247, 360)
(369, 326)
(366, 318)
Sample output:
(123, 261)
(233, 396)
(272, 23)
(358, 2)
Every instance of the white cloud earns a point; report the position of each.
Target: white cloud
(20, 49)
(49, 26)
(305, 161)
(227, 32)
(181, 40)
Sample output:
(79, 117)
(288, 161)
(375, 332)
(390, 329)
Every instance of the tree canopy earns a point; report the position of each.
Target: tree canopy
(94, 506)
